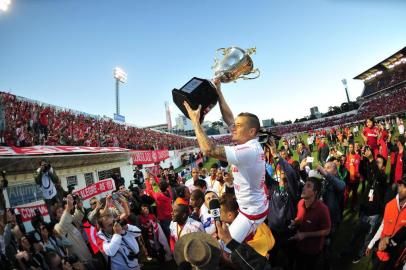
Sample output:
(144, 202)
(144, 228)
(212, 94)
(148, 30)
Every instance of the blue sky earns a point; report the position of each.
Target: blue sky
(63, 52)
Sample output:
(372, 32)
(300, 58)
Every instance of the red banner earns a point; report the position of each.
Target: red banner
(96, 189)
(149, 157)
(44, 150)
(28, 212)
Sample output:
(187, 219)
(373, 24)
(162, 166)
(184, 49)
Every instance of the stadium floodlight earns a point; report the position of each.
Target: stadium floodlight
(120, 76)
(344, 81)
(4, 5)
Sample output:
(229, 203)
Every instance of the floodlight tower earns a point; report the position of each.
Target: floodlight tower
(4, 5)
(344, 81)
(121, 77)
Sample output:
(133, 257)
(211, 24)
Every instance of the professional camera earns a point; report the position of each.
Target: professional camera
(265, 136)
(71, 259)
(76, 199)
(71, 188)
(121, 222)
(132, 256)
(46, 167)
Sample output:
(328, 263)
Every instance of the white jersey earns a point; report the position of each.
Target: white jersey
(248, 167)
(190, 226)
(47, 186)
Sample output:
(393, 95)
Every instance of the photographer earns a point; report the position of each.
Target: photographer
(3, 185)
(118, 180)
(50, 184)
(138, 177)
(67, 227)
(372, 203)
(117, 242)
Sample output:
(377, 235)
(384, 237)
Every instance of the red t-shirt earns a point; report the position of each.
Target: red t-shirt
(43, 117)
(372, 136)
(312, 219)
(399, 168)
(163, 206)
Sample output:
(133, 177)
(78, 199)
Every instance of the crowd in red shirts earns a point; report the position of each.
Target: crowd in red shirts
(383, 104)
(28, 123)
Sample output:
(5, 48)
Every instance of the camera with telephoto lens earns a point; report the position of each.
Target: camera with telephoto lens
(46, 167)
(132, 256)
(265, 136)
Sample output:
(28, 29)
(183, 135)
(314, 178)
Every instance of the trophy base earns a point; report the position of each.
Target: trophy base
(196, 92)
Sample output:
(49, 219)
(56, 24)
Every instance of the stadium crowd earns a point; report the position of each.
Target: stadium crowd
(384, 104)
(28, 123)
(396, 76)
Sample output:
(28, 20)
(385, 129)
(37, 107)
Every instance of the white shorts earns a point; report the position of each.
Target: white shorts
(242, 226)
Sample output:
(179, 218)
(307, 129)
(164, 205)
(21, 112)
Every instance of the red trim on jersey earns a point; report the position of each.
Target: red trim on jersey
(254, 217)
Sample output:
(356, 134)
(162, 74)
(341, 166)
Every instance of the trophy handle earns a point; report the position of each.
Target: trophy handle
(251, 51)
(224, 51)
(257, 74)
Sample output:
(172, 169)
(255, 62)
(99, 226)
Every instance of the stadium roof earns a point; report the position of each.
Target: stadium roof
(383, 66)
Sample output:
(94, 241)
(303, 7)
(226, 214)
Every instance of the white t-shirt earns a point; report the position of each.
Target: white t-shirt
(210, 183)
(401, 128)
(248, 167)
(189, 184)
(47, 186)
(218, 188)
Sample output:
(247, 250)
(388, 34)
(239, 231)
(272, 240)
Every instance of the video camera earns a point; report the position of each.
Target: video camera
(265, 137)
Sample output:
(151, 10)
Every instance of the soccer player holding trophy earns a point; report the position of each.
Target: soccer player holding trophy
(247, 160)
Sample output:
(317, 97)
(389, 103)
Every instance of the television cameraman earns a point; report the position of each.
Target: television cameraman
(117, 241)
(50, 184)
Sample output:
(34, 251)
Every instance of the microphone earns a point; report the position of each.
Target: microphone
(214, 206)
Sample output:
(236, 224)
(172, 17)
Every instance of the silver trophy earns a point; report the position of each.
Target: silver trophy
(235, 64)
